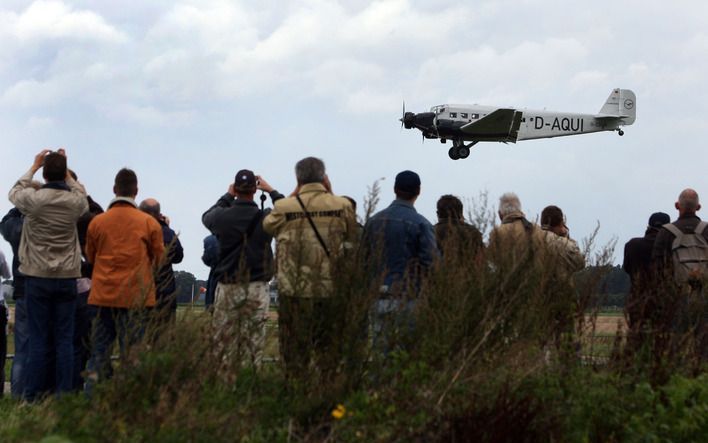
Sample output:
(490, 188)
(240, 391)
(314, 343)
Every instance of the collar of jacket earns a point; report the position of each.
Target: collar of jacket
(513, 216)
(690, 216)
(244, 202)
(312, 187)
(128, 200)
(651, 232)
(450, 221)
(60, 185)
(401, 202)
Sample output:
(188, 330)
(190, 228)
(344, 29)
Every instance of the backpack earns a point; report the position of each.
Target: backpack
(689, 254)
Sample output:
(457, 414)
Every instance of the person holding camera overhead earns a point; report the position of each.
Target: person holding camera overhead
(50, 259)
(244, 267)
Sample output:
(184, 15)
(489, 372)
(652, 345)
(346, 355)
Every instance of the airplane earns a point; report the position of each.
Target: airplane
(476, 123)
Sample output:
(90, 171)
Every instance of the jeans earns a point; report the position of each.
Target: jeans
(127, 325)
(19, 363)
(393, 324)
(3, 345)
(50, 309)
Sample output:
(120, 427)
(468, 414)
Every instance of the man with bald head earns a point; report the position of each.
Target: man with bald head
(687, 205)
(165, 284)
(684, 266)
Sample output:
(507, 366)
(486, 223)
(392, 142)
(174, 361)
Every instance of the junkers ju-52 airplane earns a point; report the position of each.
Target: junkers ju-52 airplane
(476, 123)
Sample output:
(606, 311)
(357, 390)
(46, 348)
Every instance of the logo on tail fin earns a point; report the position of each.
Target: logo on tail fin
(628, 104)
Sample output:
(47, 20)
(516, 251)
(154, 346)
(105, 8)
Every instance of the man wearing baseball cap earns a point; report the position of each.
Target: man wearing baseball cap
(637, 263)
(244, 268)
(406, 243)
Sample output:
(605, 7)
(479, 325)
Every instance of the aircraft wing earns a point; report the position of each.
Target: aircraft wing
(502, 124)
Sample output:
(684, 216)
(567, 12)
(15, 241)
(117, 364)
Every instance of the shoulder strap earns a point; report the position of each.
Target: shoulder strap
(674, 230)
(528, 226)
(312, 224)
(678, 234)
(701, 227)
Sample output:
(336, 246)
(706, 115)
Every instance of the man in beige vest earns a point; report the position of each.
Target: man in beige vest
(311, 229)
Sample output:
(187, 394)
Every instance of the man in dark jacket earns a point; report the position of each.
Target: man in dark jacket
(165, 284)
(245, 265)
(453, 235)
(639, 306)
(11, 229)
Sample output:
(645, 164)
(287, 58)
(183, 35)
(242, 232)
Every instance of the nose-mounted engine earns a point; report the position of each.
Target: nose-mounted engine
(422, 121)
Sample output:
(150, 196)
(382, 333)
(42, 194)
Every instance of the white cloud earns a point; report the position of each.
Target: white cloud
(51, 19)
(33, 93)
(589, 79)
(147, 115)
(39, 123)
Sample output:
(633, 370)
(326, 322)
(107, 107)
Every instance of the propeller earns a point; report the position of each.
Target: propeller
(403, 114)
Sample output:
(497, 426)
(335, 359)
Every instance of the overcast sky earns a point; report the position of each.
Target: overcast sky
(188, 92)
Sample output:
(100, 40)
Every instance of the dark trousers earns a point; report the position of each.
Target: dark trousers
(82, 340)
(3, 345)
(306, 335)
(50, 310)
(19, 363)
(211, 289)
(109, 324)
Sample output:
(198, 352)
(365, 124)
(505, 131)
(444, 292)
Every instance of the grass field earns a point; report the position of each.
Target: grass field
(606, 326)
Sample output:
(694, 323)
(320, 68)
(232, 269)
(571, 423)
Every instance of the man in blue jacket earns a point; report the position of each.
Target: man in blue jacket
(210, 258)
(403, 243)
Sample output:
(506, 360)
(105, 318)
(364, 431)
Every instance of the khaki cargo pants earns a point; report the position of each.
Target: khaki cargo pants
(240, 315)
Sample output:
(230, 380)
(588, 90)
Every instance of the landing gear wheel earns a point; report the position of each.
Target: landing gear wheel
(463, 152)
(620, 132)
(453, 153)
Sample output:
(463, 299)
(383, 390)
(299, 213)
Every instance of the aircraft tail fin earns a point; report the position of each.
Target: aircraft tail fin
(622, 104)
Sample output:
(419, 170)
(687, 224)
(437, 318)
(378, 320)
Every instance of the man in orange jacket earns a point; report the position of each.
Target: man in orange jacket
(125, 246)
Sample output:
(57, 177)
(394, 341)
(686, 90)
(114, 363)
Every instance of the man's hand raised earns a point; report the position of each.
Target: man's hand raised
(263, 185)
(39, 160)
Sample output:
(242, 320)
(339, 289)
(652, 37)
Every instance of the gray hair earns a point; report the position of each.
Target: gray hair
(151, 206)
(509, 203)
(688, 200)
(310, 170)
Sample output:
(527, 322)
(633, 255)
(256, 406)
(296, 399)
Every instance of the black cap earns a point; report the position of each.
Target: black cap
(245, 180)
(659, 219)
(407, 181)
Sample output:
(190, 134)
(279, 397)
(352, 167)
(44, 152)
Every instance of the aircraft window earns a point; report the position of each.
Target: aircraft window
(453, 115)
(463, 115)
(474, 116)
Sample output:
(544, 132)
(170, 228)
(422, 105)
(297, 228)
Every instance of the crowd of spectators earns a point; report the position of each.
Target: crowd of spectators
(84, 278)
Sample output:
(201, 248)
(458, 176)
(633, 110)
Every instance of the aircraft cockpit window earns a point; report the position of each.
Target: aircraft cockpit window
(474, 116)
(463, 115)
(453, 115)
